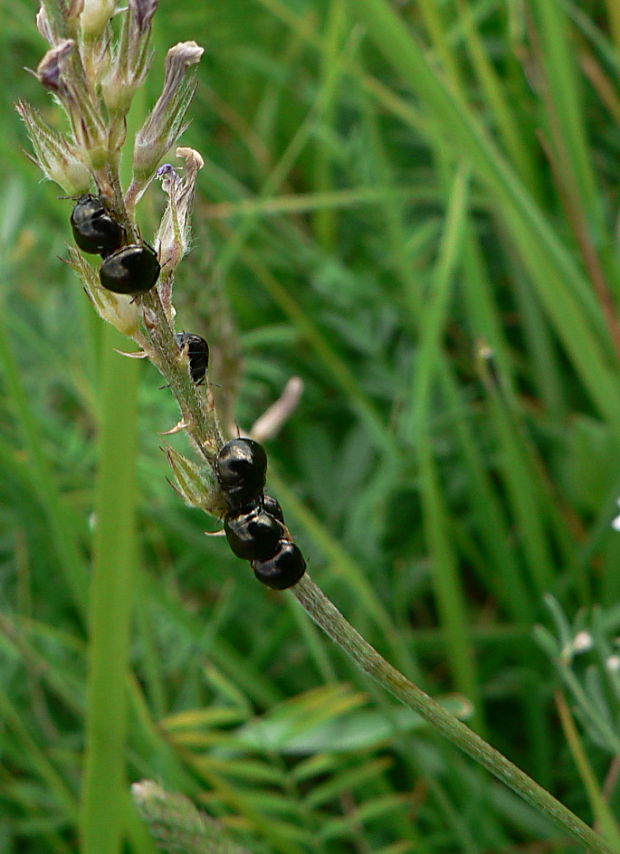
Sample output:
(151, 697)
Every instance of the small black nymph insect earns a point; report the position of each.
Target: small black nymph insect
(132, 269)
(94, 230)
(197, 353)
(241, 467)
(282, 570)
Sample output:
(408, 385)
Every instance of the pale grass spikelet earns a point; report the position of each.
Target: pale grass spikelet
(177, 825)
(129, 60)
(195, 484)
(52, 69)
(45, 27)
(119, 310)
(140, 16)
(95, 16)
(61, 73)
(166, 121)
(173, 236)
(56, 157)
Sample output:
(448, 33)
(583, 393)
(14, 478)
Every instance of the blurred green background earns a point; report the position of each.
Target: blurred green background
(413, 207)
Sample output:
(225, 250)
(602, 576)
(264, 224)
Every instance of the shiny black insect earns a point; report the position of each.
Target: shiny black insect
(254, 523)
(282, 570)
(253, 535)
(94, 230)
(241, 468)
(132, 269)
(271, 506)
(197, 353)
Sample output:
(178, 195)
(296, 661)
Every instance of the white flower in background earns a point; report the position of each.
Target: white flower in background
(615, 523)
(582, 642)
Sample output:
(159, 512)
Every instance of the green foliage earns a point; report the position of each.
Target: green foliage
(412, 207)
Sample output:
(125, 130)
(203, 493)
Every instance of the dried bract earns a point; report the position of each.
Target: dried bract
(165, 123)
(129, 62)
(56, 157)
(51, 71)
(173, 237)
(141, 14)
(120, 310)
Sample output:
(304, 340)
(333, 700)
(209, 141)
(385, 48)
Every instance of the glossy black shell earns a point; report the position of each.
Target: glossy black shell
(271, 506)
(282, 570)
(132, 269)
(254, 535)
(241, 468)
(94, 230)
(197, 353)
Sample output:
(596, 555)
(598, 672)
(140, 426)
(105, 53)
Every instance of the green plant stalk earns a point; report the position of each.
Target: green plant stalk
(329, 618)
(598, 802)
(345, 566)
(102, 816)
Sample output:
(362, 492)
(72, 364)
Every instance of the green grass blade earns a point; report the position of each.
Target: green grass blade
(104, 789)
(561, 286)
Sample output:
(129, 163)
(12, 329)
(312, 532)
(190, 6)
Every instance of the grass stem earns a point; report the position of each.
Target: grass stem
(329, 618)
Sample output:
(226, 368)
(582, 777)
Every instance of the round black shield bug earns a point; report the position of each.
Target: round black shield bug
(197, 353)
(253, 535)
(282, 570)
(132, 269)
(94, 230)
(241, 467)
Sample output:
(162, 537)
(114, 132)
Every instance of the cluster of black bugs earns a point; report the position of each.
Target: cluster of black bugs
(254, 522)
(128, 268)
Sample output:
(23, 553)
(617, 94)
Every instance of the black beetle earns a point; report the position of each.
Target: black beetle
(94, 230)
(197, 353)
(241, 467)
(132, 269)
(282, 570)
(253, 535)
